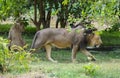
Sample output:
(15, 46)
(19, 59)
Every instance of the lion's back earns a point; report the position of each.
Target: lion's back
(52, 31)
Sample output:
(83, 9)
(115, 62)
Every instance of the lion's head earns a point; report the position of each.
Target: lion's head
(93, 39)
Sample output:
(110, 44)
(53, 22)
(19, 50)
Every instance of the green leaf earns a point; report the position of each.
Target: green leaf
(65, 2)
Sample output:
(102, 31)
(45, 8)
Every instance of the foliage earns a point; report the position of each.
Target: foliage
(16, 59)
(110, 38)
(105, 11)
(114, 27)
(4, 29)
(29, 30)
(91, 69)
(12, 8)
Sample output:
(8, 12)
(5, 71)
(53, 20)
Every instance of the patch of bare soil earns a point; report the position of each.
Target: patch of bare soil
(27, 75)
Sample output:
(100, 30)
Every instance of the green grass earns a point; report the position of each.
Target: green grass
(109, 64)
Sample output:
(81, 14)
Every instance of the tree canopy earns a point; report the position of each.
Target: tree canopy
(65, 10)
(12, 8)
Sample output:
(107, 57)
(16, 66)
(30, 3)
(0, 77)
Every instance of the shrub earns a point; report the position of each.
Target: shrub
(4, 29)
(115, 27)
(111, 38)
(13, 60)
(30, 30)
(91, 69)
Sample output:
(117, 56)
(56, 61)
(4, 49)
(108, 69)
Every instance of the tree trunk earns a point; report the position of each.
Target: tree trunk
(57, 22)
(63, 23)
(36, 23)
(43, 19)
(48, 19)
(42, 13)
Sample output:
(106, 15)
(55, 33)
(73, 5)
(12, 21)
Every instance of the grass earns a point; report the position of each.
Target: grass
(108, 63)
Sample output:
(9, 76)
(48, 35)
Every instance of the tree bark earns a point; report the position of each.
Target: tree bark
(57, 22)
(43, 18)
(42, 13)
(63, 23)
(37, 23)
(48, 19)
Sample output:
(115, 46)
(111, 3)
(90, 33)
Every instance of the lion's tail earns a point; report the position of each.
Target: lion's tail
(34, 40)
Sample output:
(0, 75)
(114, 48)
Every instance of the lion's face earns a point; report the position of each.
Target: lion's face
(94, 40)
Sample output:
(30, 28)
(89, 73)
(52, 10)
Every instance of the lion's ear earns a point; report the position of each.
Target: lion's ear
(89, 31)
(94, 29)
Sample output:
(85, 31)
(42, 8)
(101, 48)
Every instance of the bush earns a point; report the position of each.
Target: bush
(30, 30)
(111, 38)
(13, 60)
(91, 69)
(115, 27)
(4, 29)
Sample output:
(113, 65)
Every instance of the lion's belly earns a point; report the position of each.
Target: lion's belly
(61, 44)
(59, 41)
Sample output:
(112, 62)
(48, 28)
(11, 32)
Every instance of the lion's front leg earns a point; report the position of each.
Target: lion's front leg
(48, 50)
(89, 55)
(74, 52)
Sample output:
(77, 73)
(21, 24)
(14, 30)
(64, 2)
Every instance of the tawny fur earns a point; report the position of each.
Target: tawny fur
(77, 37)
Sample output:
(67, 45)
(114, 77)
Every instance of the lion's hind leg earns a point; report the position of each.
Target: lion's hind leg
(48, 51)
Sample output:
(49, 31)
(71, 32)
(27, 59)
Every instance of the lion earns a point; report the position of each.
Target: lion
(76, 38)
(15, 34)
